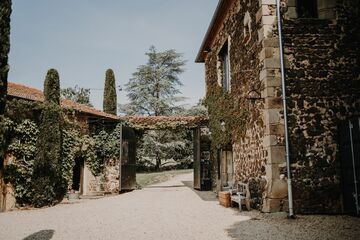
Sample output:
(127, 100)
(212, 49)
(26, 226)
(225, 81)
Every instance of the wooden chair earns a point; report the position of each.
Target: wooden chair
(241, 195)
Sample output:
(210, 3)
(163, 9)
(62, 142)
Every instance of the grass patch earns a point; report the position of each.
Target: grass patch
(146, 179)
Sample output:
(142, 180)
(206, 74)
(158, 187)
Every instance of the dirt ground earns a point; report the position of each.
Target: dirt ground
(170, 210)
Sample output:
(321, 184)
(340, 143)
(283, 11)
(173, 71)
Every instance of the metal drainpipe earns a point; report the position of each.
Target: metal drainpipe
(351, 127)
(282, 66)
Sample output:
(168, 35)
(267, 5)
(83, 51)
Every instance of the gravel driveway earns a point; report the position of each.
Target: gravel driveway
(167, 211)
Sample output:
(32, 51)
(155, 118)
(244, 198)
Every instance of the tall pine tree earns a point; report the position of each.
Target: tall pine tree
(153, 91)
(49, 186)
(110, 98)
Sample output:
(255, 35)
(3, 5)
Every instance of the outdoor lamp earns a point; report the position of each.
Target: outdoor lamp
(222, 125)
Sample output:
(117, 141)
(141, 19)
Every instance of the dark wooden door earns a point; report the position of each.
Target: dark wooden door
(350, 165)
(197, 159)
(128, 160)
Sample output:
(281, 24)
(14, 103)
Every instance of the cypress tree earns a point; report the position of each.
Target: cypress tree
(5, 12)
(52, 87)
(110, 98)
(49, 186)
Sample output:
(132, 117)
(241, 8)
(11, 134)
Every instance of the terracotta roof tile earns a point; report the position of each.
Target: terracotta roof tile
(24, 92)
(33, 94)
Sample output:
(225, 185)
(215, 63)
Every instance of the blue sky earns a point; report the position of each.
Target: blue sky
(82, 38)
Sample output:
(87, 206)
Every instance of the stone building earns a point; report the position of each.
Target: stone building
(88, 118)
(321, 48)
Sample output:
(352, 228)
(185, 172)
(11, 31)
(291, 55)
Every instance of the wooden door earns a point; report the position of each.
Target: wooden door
(128, 160)
(226, 167)
(197, 158)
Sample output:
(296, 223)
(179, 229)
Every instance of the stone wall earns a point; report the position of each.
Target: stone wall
(112, 181)
(107, 182)
(322, 62)
(245, 31)
(323, 80)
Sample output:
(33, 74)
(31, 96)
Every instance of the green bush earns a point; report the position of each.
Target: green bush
(23, 149)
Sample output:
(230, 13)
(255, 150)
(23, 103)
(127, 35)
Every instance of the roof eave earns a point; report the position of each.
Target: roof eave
(212, 29)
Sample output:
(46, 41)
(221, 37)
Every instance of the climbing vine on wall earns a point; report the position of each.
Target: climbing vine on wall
(20, 136)
(230, 109)
(108, 144)
(21, 150)
(79, 146)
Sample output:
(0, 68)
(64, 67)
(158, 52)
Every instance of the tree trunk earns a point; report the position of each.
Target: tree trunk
(158, 164)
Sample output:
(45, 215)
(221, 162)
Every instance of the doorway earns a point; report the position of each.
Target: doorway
(77, 174)
(226, 168)
(350, 165)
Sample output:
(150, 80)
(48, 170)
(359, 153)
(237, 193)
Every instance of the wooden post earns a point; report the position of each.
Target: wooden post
(120, 157)
(197, 158)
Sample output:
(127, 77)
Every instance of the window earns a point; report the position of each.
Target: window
(307, 8)
(225, 67)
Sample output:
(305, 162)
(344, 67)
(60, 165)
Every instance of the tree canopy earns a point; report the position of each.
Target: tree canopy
(77, 94)
(153, 89)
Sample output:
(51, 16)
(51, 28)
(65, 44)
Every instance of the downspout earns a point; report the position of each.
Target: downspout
(351, 127)
(287, 151)
(120, 157)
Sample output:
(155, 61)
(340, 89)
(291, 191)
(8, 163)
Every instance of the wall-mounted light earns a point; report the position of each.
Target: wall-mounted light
(222, 125)
(253, 96)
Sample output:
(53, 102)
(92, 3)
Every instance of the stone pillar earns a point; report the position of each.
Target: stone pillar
(270, 77)
(85, 180)
(7, 198)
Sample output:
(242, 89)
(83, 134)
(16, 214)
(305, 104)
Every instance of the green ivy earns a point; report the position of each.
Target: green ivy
(230, 109)
(23, 148)
(87, 152)
(79, 146)
(107, 145)
(20, 136)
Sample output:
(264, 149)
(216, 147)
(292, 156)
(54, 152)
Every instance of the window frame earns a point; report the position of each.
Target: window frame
(314, 13)
(225, 66)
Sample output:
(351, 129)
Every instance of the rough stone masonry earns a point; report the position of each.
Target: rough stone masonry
(322, 72)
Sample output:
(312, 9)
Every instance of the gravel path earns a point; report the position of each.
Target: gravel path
(152, 213)
(169, 211)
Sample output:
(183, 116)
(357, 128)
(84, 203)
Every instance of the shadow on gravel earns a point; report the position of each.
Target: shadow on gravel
(308, 227)
(41, 235)
(204, 195)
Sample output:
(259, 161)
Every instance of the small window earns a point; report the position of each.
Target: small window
(307, 8)
(225, 67)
